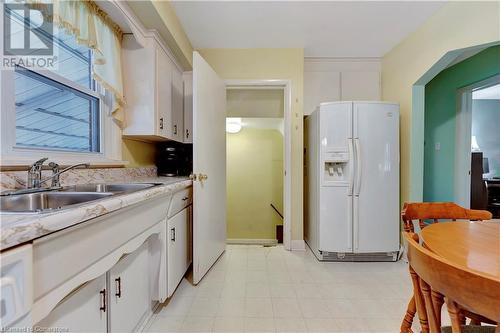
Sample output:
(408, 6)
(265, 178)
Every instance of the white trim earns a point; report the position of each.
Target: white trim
(463, 139)
(286, 85)
(298, 245)
(247, 241)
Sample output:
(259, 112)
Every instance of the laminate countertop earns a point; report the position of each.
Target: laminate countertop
(16, 229)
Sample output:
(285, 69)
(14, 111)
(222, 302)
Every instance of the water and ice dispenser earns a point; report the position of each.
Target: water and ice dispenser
(336, 166)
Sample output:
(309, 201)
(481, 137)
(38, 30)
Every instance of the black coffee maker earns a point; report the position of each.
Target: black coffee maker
(174, 159)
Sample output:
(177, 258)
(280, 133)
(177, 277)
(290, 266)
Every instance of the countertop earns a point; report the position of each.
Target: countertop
(16, 229)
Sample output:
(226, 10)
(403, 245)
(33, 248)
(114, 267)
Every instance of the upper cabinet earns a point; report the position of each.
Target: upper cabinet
(153, 87)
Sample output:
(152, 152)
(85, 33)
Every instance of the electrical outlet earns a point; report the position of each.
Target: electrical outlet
(437, 146)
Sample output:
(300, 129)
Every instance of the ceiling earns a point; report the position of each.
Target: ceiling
(323, 28)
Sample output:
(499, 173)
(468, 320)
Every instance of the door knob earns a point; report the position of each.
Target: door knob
(202, 177)
(193, 177)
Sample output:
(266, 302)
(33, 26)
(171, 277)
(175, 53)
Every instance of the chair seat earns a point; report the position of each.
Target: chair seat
(471, 329)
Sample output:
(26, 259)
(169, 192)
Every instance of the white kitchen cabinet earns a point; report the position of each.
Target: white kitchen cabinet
(178, 252)
(153, 90)
(177, 106)
(129, 294)
(83, 310)
(188, 107)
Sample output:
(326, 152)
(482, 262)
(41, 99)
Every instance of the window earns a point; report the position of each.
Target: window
(59, 112)
(51, 114)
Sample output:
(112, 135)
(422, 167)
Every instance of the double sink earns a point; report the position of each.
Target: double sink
(46, 201)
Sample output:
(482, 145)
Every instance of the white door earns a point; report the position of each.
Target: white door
(376, 185)
(209, 165)
(129, 296)
(84, 310)
(336, 188)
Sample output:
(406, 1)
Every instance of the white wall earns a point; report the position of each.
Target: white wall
(334, 79)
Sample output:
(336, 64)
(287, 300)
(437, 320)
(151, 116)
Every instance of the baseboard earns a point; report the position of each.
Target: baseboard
(298, 245)
(246, 241)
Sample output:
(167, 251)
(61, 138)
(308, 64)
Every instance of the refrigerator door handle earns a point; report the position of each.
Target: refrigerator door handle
(351, 166)
(358, 167)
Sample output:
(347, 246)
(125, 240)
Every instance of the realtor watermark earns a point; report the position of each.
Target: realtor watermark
(36, 328)
(28, 36)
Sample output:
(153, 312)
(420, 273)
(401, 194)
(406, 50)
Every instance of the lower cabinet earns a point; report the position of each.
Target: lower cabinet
(178, 248)
(117, 301)
(84, 310)
(129, 293)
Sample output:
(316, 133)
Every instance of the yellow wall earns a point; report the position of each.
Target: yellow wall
(456, 25)
(138, 153)
(284, 64)
(254, 181)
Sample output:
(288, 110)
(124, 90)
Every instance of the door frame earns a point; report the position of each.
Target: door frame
(286, 85)
(463, 138)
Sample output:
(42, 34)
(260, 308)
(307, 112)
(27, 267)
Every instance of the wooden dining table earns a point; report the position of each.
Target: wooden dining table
(472, 245)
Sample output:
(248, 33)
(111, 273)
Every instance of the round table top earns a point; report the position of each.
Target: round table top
(473, 245)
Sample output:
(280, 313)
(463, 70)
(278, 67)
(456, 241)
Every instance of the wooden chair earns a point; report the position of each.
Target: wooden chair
(463, 289)
(421, 212)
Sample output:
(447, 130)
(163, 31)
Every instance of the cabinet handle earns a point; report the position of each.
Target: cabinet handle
(187, 134)
(118, 292)
(103, 300)
(161, 123)
(175, 129)
(172, 234)
(185, 198)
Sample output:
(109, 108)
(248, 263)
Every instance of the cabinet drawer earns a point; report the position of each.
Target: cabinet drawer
(180, 200)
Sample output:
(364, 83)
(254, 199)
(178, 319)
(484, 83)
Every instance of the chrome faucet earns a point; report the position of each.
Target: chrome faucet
(56, 173)
(35, 173)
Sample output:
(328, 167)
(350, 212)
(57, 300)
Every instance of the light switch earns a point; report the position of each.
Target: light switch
(437, 146)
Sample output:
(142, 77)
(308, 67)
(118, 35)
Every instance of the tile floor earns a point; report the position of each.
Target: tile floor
(267, 289)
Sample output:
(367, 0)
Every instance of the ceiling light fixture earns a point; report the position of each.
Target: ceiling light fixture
(233, 125)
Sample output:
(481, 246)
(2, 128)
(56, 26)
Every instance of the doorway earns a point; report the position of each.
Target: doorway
(478, 146)
(258, 155)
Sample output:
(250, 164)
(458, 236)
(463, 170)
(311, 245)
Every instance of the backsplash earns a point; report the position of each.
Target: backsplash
(13, 180)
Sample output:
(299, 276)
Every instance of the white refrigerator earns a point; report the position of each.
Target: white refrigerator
(352, 181)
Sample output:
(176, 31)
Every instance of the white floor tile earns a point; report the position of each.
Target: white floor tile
(257, 289)
(259, 325)
(206, 307)
(286, 308)
(321, 325)
(229, 324)
(289, 325)
(166, 324)
(231, 307)
(197, 324)
(258, 308)
(314, 308)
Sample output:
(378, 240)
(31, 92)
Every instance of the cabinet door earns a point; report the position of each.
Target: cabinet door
(129, 299)
(188, 107)
(177, 106)
(163, 94)
(81, 311)
(177, 251)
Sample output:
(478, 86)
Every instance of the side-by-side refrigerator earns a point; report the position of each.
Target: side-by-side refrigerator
(352, 181)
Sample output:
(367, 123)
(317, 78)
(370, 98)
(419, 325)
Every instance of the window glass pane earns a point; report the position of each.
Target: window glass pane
(73, 60)
(51, 115)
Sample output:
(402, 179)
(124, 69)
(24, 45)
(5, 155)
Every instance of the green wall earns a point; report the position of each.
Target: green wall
(440, 113)
(254, 181)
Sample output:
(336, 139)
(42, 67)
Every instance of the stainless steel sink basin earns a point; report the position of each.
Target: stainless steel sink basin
(125, 187)
(42, 201)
